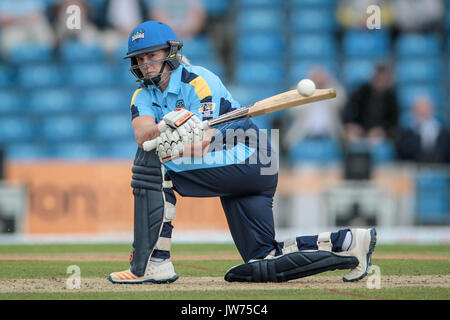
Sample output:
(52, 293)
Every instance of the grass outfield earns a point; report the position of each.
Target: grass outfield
(40, 272)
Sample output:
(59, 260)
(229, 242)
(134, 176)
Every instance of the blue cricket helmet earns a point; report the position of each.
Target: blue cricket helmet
(152, 36)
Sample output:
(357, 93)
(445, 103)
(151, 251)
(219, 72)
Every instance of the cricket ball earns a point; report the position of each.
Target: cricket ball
(306, 87)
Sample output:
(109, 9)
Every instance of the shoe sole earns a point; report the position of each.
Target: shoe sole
(173, 279)
(373, 243)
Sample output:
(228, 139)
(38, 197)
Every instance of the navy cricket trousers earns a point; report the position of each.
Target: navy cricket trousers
(247, 199)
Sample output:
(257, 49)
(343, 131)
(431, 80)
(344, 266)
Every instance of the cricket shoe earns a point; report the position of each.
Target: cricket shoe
(362, 246)
(156, 272)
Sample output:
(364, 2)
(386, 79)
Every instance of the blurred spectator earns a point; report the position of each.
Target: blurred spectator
(121, 17)
(426, 140)
(352, 14)
(186, 17)
(23, 21)
(419, 15)
(372, 110)
(88, 31)
(320, 119)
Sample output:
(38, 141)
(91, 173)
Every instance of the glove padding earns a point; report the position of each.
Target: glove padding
(178, 128)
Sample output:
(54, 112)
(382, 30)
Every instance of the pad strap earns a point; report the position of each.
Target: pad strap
(289, 246)
(324, 241)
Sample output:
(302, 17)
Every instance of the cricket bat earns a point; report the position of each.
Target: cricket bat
(274, 103)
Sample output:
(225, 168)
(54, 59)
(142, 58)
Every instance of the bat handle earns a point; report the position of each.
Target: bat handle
(149, 145)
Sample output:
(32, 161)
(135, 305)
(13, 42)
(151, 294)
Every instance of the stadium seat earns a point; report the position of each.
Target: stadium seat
(315, 151)
(328, 4)
(62, 128)
(5, 76)
(26, 151)
(317, 46)
(39, 76)
(300, 69)
(51, 102)
(382, 153)
(412, 45)
(122, 149)
(75, 151)
(260, 45)
(313, 20)
(14, 129)
(432, 200)
(418, 71)
(200, 47)
(10, 103)
(76, 51)
(259, 72)
(406, 94)
(214, 65)
(30, 53)
(366, 44)
(217, 8)
(260, 20)
(249, 4)
(357, 71)
(112, 127)
(104, 101)
(88, 75)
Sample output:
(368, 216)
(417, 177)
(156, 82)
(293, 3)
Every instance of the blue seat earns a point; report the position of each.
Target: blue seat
(329, 4)
(249, 4)
(418, 45)
(62, 128)
(30, 53)
(318, 46)
(200, 47)
(432, 201)
(418, 71)
(217, 8)
(214, 65)
(10, 103)
(366, 44)
(52, 101)
(260, 45)
(5, 77)
(122, 149)
(14, 129)
(300, 69)
(313, 20)
(75, 151)
(87, 75)
(104, 101)
(112, 127)
(40, 76)
(315, 151)
(382, 153)
(259, 72)
(260, 20)
(357, 71)
(406, 94)
(73, 51)
(26, 151)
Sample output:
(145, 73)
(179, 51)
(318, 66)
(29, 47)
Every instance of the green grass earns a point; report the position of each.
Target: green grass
(216, 268)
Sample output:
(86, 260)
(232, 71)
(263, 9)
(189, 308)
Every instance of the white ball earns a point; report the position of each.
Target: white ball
(306, 87)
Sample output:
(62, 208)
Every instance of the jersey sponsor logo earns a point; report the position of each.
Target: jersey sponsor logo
(138, 34)
(179, 104)
(206, 109)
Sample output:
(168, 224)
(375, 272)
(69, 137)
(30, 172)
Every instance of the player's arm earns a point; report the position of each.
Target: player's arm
(145, 128)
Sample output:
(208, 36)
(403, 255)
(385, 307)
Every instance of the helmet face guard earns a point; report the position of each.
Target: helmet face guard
(171, 60)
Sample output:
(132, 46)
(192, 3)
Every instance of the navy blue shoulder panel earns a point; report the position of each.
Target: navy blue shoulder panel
(187, 76)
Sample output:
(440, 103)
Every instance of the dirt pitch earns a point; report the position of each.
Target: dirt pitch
(329, 283)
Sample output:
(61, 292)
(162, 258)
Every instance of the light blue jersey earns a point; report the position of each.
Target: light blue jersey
(203, 93)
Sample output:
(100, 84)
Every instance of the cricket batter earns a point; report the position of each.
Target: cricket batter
(172, 101)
